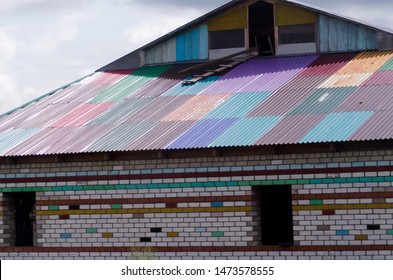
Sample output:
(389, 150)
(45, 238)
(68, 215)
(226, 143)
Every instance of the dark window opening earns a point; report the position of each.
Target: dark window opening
(296, 34)
(24, 207)
(276, 215)
(261, 27)
(227, 39)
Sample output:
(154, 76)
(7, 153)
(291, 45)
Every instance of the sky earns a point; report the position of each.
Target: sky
(45, 44)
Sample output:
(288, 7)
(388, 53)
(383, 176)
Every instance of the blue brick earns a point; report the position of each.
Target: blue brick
(65, 235)
(217, 204)
(358, 164)
(333, 165)
(200, 229)
(342, 232)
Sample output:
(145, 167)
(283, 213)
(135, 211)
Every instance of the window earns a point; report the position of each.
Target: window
(227, 39)
(276, 215)
(296, 34)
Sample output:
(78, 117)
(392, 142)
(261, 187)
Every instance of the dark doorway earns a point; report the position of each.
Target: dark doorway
(261, 27)
(276, 215)
(24, 204)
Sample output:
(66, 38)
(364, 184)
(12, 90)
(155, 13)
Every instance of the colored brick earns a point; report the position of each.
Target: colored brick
(65, 235)
(218, 234)
(145, 239)
(217, 204)
(373, 227)
(53, 207)
(117, 206)
(316, 202)
(171, 205)
(342, 232)
(361, 237)
(64, 217)
(328, 212)
(107, 235)
(173, 234)
(156, 230)
(204, 230)
(91, 230)
(389, 231)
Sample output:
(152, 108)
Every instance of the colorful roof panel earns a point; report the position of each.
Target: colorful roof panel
(263, 101)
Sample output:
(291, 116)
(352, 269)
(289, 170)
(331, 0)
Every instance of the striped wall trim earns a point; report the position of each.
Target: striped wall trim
(144, 200)
(146, 210)
(376, 179)
(172, 175)
(207, 249)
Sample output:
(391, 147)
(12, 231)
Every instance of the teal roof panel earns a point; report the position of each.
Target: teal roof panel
(336, 127)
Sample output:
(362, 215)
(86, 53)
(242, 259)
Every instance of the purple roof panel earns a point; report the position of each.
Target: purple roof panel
(378, 126)
(202, 134)
(380, 78)
(369, 98)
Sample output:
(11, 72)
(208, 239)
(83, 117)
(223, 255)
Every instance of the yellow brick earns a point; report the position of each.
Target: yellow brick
(361, 237)
(107, 235)
(173, 234)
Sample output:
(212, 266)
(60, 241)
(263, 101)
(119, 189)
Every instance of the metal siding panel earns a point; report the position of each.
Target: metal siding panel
(342, 36)
(193, 89)
(333, 34)
(323, 33)
(236, 19)
(188, 44)
(245, 131)
(362, 38)
(195, 42)
(388, 65)
(372, 40)
(352, 37)
(203, 42)
(336, 127)
(181, 47)
(292, 15)
(365, 62)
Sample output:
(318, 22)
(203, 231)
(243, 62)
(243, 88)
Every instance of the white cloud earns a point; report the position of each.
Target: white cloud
(7, 49)
(65, 30)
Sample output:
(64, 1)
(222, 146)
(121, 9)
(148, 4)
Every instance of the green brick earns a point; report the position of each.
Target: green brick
(315, 181)
(218, 234)
(88, 188)
(244, 183)
(316, 202)
(220, 184)
(37, 189)
(54, 207)
(389, 231)
(341, 180)
(279, 182)
(117, 206)
(77, 188)
(378, 179)
(353, 180)
(267, 183)
(197, 184)
(389, 179)
(187, 185)
(291, 182)
(91, 230)
(303, 182)
(231, 184)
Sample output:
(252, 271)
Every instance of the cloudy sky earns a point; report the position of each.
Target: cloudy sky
(45, 44)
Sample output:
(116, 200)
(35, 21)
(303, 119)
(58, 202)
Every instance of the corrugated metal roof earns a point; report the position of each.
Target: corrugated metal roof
(264, 101)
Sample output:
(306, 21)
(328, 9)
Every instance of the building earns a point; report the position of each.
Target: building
(260, 130)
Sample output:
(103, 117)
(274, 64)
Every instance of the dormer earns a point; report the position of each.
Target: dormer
(267, 27)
